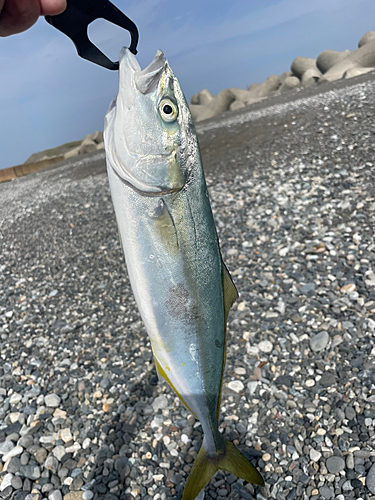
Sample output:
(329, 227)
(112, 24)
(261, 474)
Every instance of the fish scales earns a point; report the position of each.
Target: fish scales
(180, 284)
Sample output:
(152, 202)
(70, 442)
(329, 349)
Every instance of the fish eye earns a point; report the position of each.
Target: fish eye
(168, 110)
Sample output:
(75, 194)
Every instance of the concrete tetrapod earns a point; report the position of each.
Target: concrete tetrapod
(301, 64)
(369, 36)
(310, 77)
(270, 85)
(203, 97)
(362, 58)
(219, 104)
(284, 76)
(291, 82)
(328, 58)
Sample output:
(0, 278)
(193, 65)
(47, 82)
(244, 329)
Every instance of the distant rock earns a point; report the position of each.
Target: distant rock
(328, 58)
(284, 76)
(362, 58)
(310, 77)
(369, 36)
(91, 142)
(52, 152)
(353, 72)
(253, 87)
(302, 64)
(87, 146)
(202, 97)
(218, 104)
(290, 82)
(237, 105)
(270, 85)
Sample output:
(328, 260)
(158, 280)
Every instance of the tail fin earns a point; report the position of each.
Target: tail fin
(205, 467)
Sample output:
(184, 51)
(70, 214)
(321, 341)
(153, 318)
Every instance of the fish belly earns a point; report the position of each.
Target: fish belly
(175, 270)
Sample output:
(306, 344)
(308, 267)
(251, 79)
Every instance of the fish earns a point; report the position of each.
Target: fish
(181, 285)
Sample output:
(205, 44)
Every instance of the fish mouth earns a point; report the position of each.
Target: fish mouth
(145, 80)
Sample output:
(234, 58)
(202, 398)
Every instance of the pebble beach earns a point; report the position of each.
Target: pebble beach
(82, 412)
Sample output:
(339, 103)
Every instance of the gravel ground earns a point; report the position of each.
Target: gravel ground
(82, 414)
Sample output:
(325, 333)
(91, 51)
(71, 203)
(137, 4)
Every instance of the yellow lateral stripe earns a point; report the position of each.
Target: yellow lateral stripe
(166, 378)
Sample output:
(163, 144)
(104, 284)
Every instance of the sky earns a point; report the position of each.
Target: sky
(49, 95)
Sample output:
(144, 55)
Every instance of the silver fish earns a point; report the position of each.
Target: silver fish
(181, 285)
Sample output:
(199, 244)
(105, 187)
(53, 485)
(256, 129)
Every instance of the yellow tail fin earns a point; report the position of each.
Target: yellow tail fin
(205, 467)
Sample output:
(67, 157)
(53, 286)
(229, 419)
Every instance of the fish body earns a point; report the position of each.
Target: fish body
(180, 283)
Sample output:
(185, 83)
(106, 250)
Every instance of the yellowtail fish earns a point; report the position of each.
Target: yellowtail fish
(181, 285)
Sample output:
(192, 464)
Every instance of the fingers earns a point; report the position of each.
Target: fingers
(19, 15)
(52, 7)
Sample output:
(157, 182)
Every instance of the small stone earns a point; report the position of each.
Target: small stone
(326, 492)
(265, 346)
(315, 455)
(87, 495)
(65, 435)
(15, 398)
(319, 341)
(236, 385)
(30, 471)
(26, 441)
(350, 413)
(52, 400)
(370, 479)
(7, 481)
(350, 461)
(266, 457)
(59, 452)
(55, 495)
(335, 464)
(86, 443)
(159, 403)
(310, 382)
(17, 450)
(239, 370)
(40, 455)
(14, 465)
(17, 483)
(51, 463)
(74, 495)
(349, 288)
(5, 447)
(252, 386)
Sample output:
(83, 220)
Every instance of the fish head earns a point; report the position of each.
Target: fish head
(149, 133)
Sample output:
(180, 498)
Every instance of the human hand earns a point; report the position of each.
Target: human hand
(19, 15)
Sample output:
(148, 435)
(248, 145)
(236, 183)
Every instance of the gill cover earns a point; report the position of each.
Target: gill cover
(142, 130)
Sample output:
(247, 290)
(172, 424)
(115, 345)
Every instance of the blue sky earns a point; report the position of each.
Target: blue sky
(48, 95)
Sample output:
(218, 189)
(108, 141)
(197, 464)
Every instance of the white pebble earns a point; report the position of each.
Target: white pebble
(17, 450)
(239, 370)
(310, 382)
(7, 480)
(315, 455)
(265, 346)
(86, 443)
(236, 385)
(65, 435)
(52, 400)
(15, 398)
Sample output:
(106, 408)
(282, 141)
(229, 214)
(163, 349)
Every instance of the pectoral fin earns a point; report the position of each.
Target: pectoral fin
(165, 228)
